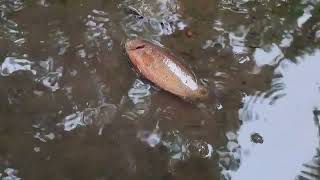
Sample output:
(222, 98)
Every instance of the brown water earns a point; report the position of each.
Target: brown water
(72, 108)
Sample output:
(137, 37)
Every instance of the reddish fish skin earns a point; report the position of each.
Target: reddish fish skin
(161, 67)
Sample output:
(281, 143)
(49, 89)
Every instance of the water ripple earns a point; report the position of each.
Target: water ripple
(291, 113)
(139, 91)
(12, 64)
(60, 41)
(139, 95)
(234, 6)
(238, 39)
(270, 55)
(42, 72)
(99, 116)
(11, 31)
(181, 148)
(10, 6)
(153, 18)
(98, 38)
(79, 118)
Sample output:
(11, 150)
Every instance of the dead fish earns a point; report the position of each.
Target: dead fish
(161, 67)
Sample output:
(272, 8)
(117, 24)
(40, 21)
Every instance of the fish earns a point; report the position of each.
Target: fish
(160, 66)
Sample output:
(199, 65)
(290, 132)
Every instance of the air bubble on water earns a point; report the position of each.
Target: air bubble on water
(199, 148)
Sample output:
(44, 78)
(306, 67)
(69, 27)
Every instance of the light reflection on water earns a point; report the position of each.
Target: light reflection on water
(10, 174)
(41, 72)
(290, 134)
(155, 18)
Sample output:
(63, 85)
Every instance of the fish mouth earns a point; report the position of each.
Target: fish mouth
(135, 44)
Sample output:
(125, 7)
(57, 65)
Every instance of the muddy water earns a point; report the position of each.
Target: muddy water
(71, 107)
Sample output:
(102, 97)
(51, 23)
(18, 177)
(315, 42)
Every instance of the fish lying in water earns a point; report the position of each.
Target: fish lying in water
(161, 67)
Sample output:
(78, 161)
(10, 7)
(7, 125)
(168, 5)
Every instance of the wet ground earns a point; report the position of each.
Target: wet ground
(71, 107)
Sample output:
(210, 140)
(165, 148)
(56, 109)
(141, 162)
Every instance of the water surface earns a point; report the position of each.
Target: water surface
(71, 107)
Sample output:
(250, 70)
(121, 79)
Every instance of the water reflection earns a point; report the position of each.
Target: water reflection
(286, 124)
(305, 16)
(41, 72)
(139, 95)
(234, 6)
(10, 6)
(11, 65)
(60, 41)
(183, 149)
(268, 55)
(12, 32)
(100, 117)
(152, 18)
(97, 34)
(10, 174)
(71, 105)
(238, 40)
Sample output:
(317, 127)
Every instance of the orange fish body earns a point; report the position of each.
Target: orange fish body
(162, 68)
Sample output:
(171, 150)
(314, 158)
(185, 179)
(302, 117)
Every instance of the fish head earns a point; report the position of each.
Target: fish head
(137, 50)
(135, 44)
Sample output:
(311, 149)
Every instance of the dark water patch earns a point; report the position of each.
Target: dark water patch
(71, 105)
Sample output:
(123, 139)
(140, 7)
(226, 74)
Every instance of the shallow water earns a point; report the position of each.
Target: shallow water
(71, 107)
